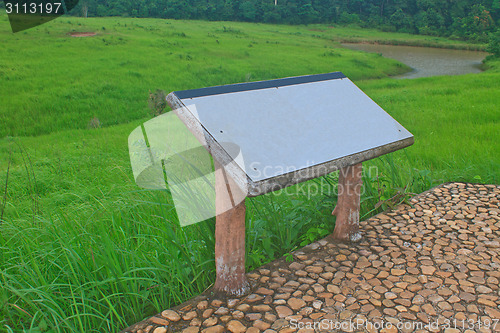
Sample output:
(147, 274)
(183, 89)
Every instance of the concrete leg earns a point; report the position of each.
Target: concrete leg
(229, 236)
(347, 209)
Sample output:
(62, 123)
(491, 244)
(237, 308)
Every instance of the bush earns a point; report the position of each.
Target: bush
(346, 18)
(157, 102)
(494, 44)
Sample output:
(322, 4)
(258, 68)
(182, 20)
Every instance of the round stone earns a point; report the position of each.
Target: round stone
(171, 315)
(428, 270)
(296, 303)
(202, 305)
(160, 330)
(235, 326)
(390, 295)
(210, 321)
(397, 272)
(189, 315)
(283, 311)
(214, 329)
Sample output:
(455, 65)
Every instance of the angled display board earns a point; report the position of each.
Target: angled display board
(289, 130)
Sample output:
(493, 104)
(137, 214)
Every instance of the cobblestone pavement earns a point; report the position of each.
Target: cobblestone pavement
(432, 266)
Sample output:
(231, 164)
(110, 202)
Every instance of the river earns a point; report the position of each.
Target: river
(427, 61)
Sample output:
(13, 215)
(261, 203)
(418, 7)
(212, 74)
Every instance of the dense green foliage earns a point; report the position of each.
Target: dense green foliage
(469, 19)
(494, 44)
(83, 249)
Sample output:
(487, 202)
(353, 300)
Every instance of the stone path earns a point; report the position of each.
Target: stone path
(431, 267)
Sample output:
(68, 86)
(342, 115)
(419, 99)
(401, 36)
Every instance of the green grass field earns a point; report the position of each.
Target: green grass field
(82, 249)
(57, 82)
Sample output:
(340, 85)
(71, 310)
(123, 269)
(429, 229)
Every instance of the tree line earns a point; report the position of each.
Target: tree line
(464, 19)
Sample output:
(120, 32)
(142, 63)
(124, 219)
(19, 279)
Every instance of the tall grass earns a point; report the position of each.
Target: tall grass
(97, 275)
(68, 271)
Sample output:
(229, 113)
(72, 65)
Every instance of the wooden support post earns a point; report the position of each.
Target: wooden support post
(229, 236)
(347, 209)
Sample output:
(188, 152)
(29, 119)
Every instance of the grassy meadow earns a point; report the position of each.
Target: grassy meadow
(83, 249)
(55, 82)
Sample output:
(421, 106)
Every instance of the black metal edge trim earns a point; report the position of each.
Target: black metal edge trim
(239, 87)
